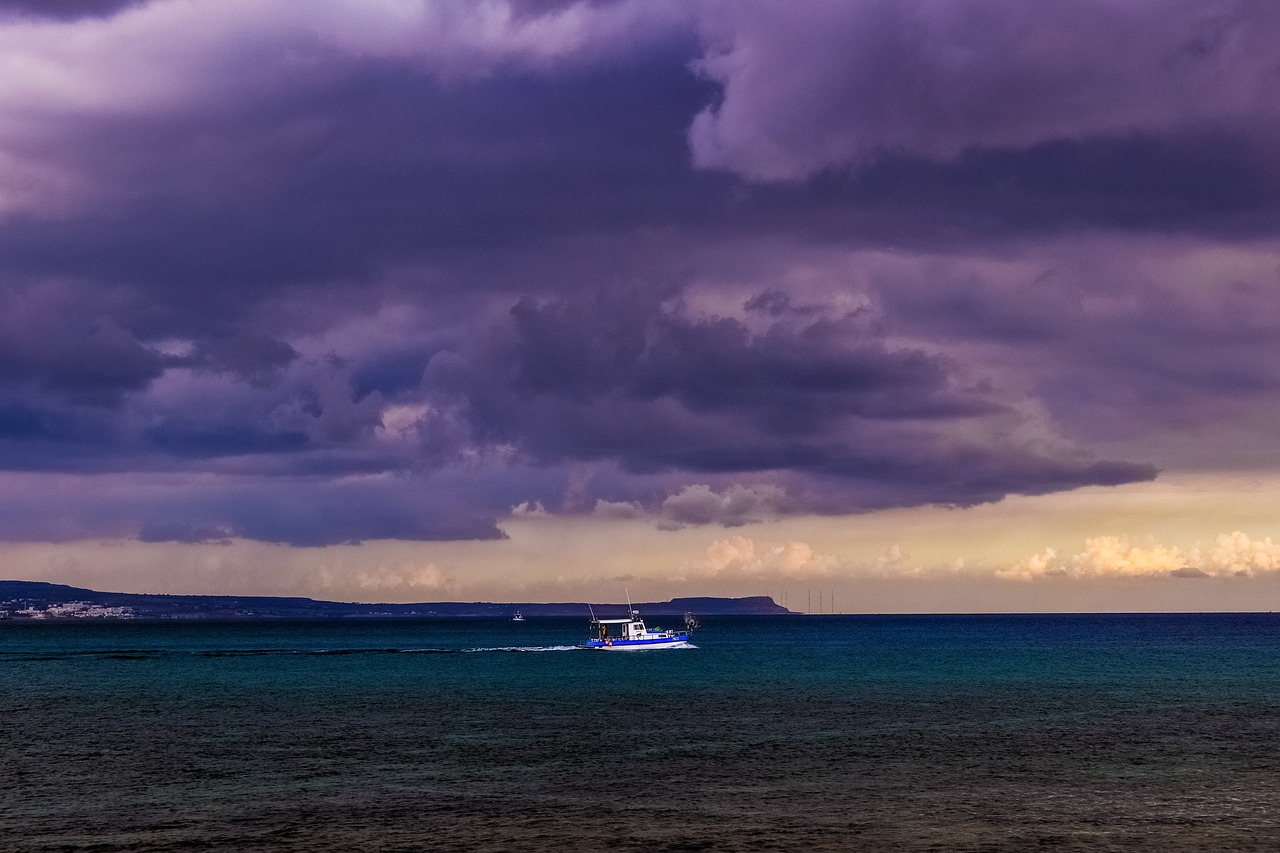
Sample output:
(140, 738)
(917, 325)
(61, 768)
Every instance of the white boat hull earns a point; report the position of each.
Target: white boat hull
(609, 645)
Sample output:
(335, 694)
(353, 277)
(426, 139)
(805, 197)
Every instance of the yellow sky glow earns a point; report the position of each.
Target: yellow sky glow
(1107, 549)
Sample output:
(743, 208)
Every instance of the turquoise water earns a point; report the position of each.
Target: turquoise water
(982, 733)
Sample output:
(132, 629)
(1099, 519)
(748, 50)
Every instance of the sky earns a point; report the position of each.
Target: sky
(868, 305)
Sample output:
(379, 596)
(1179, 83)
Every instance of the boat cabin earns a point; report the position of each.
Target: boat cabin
(623, 629)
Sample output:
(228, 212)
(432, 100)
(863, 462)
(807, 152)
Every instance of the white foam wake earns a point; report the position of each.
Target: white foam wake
(525, 649)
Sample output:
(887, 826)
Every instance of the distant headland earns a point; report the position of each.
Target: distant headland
(39, 600)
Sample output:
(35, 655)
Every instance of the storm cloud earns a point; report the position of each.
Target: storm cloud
(847, 82)
(327, 272)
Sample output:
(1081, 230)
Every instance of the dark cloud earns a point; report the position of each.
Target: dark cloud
(1213, 184)
(1121, 338)
(170, 532)
(349, 514)
(850, 81)
(66, 10)
(17, 421)
(384, 166)
(820, 370)
(305, 512)
(255, 358)
(201, 438)
(50, 340)
(654, 390)
(1189, 572)
(742, 263)
(731, 507)
(791, 376)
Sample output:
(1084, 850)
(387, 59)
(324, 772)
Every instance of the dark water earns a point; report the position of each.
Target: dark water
(810, 734)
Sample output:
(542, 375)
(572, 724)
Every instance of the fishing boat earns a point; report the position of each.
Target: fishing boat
(631, 634)
(519, 617)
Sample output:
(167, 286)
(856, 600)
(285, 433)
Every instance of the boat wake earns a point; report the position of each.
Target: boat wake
(125, 654)
(159, 654)
(526, 649)
(437, 651)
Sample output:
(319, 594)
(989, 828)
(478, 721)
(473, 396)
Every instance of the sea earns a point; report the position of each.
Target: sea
(800, 733)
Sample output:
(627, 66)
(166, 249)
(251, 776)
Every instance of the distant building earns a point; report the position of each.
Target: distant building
(65, 610)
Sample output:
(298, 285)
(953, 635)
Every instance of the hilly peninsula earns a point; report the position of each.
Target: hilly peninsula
(40, 600)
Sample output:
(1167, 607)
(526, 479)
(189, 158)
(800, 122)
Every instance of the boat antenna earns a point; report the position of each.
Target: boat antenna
(592, 611)
(630, 609)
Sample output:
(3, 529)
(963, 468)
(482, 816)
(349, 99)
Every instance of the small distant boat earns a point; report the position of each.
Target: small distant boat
(519, 617)
(631, 634)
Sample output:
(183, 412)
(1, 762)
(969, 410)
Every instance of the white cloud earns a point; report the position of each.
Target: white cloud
(892, 558)
(741, 556)
(1236, 554)
(528, 509)
(1232, 554)
(402, 423)
(404, 576)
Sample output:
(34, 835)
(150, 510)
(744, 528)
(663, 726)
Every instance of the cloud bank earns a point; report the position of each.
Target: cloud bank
(1231, 555)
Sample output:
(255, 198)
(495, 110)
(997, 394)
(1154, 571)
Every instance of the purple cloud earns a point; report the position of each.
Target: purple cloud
(825, 400)
(342, 276)
(846, 83)
(65, 10)
(54, 339)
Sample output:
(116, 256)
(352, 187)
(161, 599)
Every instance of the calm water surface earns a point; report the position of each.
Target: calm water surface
(979, 733)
